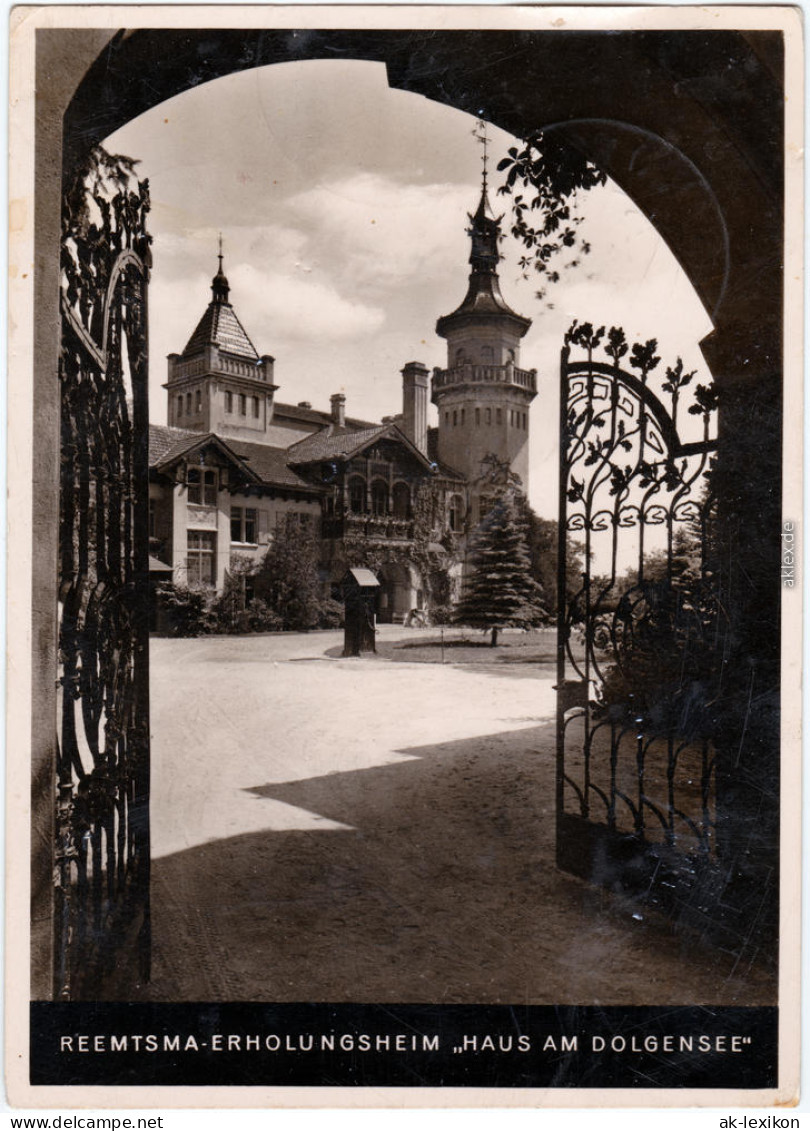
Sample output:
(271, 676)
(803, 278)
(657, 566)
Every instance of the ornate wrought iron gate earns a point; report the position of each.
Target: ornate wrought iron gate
(640, 627)
(102, 816)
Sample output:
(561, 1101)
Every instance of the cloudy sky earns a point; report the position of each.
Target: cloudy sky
(343, 207)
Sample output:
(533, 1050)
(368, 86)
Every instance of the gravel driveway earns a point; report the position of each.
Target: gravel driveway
(329, 829)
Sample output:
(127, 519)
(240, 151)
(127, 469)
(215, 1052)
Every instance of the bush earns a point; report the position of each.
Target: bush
(330, 614)
(441, 614)
(259, 617)
(188, 609)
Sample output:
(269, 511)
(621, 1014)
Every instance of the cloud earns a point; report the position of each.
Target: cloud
(384, 233)
(299, 306)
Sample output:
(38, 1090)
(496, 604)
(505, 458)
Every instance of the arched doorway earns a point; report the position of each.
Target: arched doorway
(398, 593)
(727, 160)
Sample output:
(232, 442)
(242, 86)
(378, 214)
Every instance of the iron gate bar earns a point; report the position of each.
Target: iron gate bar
(102, 858)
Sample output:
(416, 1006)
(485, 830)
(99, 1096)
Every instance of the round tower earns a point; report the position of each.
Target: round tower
(483, 396)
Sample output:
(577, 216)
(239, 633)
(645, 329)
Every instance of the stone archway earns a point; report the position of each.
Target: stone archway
(701, 157)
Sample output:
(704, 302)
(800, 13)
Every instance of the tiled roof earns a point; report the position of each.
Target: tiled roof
(326, 444)
(298, 412)
(220, 327)
(270, 464)
(482, 300)
(164, 442)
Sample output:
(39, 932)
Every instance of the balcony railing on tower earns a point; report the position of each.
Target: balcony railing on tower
(469, 374)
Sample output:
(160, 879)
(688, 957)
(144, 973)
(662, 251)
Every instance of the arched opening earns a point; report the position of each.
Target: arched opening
(379, 498)
(744, 300)
(357, 494)
(397, 593)
(401, 500)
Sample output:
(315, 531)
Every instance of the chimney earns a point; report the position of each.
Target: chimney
(338, 402)
(414, 404)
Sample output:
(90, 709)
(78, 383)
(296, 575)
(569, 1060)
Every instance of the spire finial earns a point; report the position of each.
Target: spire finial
(219, 284)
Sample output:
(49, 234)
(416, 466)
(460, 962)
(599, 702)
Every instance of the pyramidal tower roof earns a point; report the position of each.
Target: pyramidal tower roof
(219, 326)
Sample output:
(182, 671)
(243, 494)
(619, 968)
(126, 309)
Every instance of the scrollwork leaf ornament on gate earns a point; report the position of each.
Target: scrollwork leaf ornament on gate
(643, 635)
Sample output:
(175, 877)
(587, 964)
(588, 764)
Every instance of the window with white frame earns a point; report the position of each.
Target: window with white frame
(201, 560)
(244, 525)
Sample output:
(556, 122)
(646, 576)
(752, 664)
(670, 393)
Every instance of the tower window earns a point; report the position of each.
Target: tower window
(447, 418)
(455, 417)
(199, 400)
(489, 416)
(462, 416)
(498, 417)
(229, 402)
(242, 404)
(455, 513)
(188, 403)
(202, 487)
(524, 421)
(486, 355)
(256, 407)
(180, 405)
(478, 416)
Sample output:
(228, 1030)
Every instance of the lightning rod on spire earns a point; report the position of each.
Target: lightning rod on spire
(220, 251)
(480, 135)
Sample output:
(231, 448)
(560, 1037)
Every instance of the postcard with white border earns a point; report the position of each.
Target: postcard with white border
(404, 607)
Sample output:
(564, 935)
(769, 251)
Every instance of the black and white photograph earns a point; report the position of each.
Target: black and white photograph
(404, 578)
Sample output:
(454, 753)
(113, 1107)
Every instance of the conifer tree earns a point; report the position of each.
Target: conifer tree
(500, 592)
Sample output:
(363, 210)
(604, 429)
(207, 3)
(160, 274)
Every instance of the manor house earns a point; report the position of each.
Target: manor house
(234, 461)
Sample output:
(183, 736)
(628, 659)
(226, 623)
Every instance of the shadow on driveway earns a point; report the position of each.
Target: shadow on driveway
(440, 887)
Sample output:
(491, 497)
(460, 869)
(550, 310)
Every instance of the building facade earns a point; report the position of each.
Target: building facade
(397, 496)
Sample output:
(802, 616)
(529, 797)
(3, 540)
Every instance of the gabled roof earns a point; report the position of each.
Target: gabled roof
(332, 444)
(189, 442)
(220, 327)
(329, 443)
(260, 463)
(162, 440)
